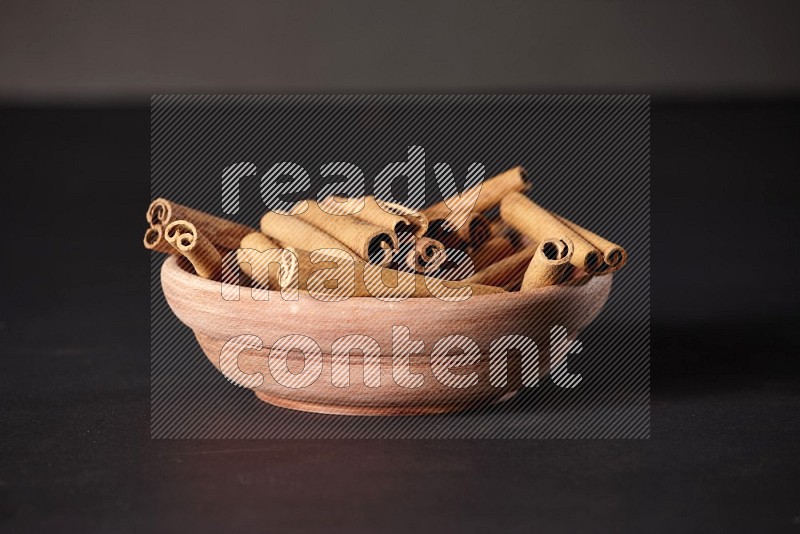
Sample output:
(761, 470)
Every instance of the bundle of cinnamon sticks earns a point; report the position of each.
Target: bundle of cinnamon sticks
(364, 247)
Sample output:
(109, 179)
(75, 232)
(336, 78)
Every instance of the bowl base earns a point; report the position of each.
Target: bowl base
(373, 411)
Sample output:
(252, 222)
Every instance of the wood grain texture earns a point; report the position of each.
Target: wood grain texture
(199, 305)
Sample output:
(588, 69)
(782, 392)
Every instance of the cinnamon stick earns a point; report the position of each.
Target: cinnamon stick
(370, 242)
(291, 231)
(154, 240)
(550, 264)
(491, 193)
(539, 224)
(492, 251)
(221, 232)
(507, 272)
(614, 255)
(473, 233)
(426, 256)
(473, 230)
(187, 240)
(381, 213)
(336, 277)
(254, 262)
(334, 274)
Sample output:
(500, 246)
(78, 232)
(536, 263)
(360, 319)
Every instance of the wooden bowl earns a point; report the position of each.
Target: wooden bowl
(198, 303)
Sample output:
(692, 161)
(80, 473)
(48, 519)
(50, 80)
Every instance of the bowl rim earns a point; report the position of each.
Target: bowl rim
(171, 265)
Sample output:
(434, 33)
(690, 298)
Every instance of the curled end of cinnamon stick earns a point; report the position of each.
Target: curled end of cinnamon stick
(475, 231)
(558, 250)
(154, 240)
(152, 237)
(594, 263)
(416, 222)
(616, 258)
(426, 256)
(550, 264)
(159, 212)
(205, 259)
(382, 247)
(182, 235)
(523, 176)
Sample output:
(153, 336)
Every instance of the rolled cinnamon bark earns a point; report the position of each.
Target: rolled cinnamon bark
(473, 233)
(474, 229)
(291, 231)
(614, 255)
(256, 265)
(539, 224)
(384, 214)
(370, 242)
(221, 232)
(154, 240)
(501, 229)
(491, 252)
(186, 239)
(492, 192)
(550, 264)
(258, 241)
(426, 256)
(329, 277)
(505, 273)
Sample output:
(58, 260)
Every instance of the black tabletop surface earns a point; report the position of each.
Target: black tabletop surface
(723, 456)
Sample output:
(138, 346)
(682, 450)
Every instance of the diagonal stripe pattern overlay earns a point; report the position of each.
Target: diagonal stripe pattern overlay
(588, 159)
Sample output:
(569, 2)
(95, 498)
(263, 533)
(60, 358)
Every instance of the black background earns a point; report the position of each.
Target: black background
(75, 451)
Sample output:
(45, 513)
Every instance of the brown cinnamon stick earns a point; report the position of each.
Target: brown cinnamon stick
(474, 229)
(491, 193)
(473, 233)
(491, 252)
(254, 262)
(550, 264)
(381, 213)
(291, 231)
(539, 224)
(336, 277)
(370, 242)
(507, 272)
(221, 232)
(448, 217)
(154, 240)
(614, 255)
(187, 240)
(426, 256)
